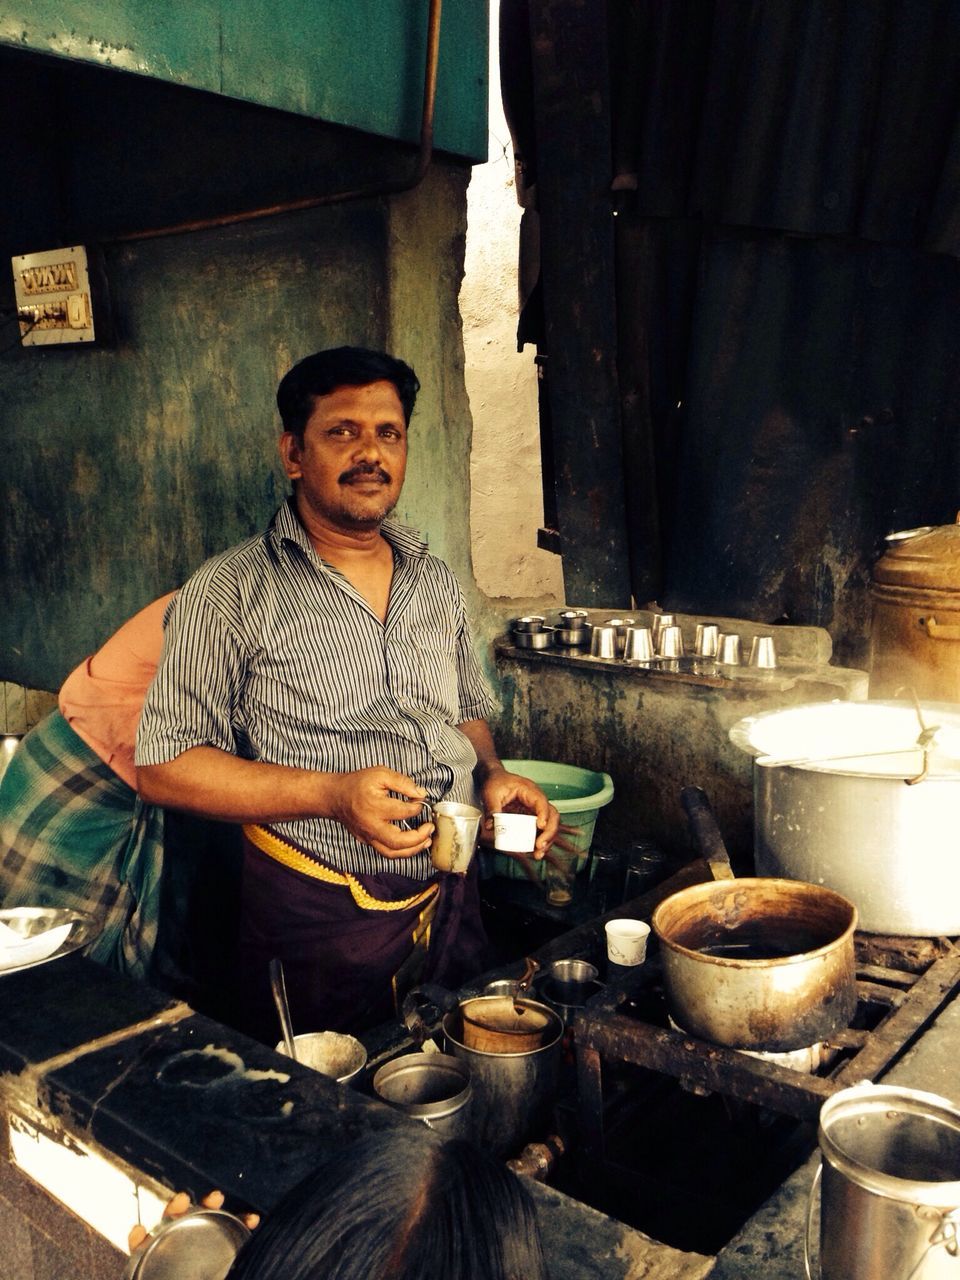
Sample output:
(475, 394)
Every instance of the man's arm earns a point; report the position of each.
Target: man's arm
(215, 784)
(501, 790)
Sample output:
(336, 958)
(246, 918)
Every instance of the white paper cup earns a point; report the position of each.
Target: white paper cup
(514, 832)
(627, 941)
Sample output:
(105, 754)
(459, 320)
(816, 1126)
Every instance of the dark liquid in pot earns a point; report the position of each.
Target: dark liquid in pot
(752, 941)
(747, 951)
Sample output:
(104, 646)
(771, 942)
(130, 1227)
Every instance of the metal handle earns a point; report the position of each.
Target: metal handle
(808, 1234)
(279, 988)
(706, 832)
(937, 632)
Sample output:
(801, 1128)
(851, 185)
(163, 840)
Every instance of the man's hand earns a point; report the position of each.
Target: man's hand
(366, 803)
(179, 1204)
(504, 792)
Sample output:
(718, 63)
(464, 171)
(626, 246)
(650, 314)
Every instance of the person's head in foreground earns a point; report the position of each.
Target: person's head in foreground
(400, 1205)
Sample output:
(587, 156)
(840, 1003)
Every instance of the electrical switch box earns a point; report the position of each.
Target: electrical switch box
(53, 297)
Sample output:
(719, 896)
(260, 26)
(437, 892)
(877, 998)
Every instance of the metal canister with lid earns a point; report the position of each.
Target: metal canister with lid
(915, 639)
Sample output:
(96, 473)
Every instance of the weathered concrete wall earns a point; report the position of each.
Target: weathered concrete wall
(506, 498)
(126, 467)
(654, 734)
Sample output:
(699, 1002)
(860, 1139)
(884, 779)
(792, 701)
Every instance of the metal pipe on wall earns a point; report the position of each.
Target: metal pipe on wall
(391, 186)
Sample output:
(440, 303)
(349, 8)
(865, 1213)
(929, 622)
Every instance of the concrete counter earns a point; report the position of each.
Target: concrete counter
(114, 1094)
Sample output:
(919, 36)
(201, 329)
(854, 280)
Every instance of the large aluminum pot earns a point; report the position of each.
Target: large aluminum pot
(832, 806)
(513, 1092)
(758, 964)
(915, 632)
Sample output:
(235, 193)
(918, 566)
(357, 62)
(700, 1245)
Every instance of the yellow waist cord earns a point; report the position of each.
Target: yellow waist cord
(284, 853)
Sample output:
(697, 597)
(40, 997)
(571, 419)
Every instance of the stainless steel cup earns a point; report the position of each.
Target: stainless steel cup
(622, 625)
(571, 981)
(661, 620)
(603, 642)
(670, 643)
(763, 652)
(707, 639)
(728, 649)
(638, 645)
(455, 838)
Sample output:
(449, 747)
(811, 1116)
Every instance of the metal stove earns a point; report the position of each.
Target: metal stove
(686, 1139)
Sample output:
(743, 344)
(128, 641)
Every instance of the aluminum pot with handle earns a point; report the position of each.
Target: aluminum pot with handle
(758, 964)
(863, 797)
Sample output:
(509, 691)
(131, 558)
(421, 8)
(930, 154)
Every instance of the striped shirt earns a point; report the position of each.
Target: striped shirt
(271, 654)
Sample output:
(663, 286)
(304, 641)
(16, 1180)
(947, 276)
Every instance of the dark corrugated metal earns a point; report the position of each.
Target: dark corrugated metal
(787, 174)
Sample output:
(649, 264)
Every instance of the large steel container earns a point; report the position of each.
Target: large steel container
(915, 636)
(864, 798)
(514, 1092)
(891, 1186)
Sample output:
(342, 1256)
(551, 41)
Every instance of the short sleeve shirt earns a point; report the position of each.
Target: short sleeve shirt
(271, 654)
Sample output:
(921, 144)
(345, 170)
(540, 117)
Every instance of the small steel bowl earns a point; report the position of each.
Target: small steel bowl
(203, 1241)
(573, 636)
(542, 639)
(532, 622)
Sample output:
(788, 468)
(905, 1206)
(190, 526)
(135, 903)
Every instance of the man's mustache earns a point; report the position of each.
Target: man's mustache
(355, 473)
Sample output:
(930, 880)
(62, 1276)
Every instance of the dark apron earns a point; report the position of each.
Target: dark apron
(351, 946)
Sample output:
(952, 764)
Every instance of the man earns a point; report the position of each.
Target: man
(318, 685)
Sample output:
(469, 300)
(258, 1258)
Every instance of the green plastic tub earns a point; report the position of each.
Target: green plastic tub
(579, 795)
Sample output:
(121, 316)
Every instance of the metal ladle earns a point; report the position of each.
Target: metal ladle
(279, 989)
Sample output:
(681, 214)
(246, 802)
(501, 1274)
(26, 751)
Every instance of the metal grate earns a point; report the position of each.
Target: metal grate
(902, 985)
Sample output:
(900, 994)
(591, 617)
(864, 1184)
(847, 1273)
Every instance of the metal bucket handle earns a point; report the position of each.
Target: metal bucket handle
(945, 1231)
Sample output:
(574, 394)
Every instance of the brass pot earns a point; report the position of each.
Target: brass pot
(915, 638)
(758, 963)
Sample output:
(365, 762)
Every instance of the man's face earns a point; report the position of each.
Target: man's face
(350, 467)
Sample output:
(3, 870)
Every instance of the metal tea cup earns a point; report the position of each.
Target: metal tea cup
(763, 652)
(603, 642)
(457, 827)
(728, 649)
(638, 645)
(670, 642)
(707, 640)
(661, 620)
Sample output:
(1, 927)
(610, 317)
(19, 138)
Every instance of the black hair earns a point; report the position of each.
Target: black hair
(325, 371)
(400, 1205)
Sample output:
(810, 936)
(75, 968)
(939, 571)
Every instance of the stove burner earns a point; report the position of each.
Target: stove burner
(808, 1059)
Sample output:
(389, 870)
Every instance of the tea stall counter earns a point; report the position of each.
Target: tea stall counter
(770, 1245)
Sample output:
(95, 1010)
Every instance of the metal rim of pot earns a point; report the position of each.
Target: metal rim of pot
(440, 1066)
(888, 1101)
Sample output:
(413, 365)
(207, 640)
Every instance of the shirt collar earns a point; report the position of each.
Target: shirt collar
(286, 527)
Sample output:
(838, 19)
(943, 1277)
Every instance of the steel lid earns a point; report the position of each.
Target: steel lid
(879, 739)
(201, 1245)
(927, 558)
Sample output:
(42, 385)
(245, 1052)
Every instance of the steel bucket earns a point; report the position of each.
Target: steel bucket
(514, 1091)
(890, 1198)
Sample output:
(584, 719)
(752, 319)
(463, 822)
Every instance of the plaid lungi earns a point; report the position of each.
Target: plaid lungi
(74, 834)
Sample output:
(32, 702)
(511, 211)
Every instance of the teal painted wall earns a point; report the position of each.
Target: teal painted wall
(357, 63)
(126, 466)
